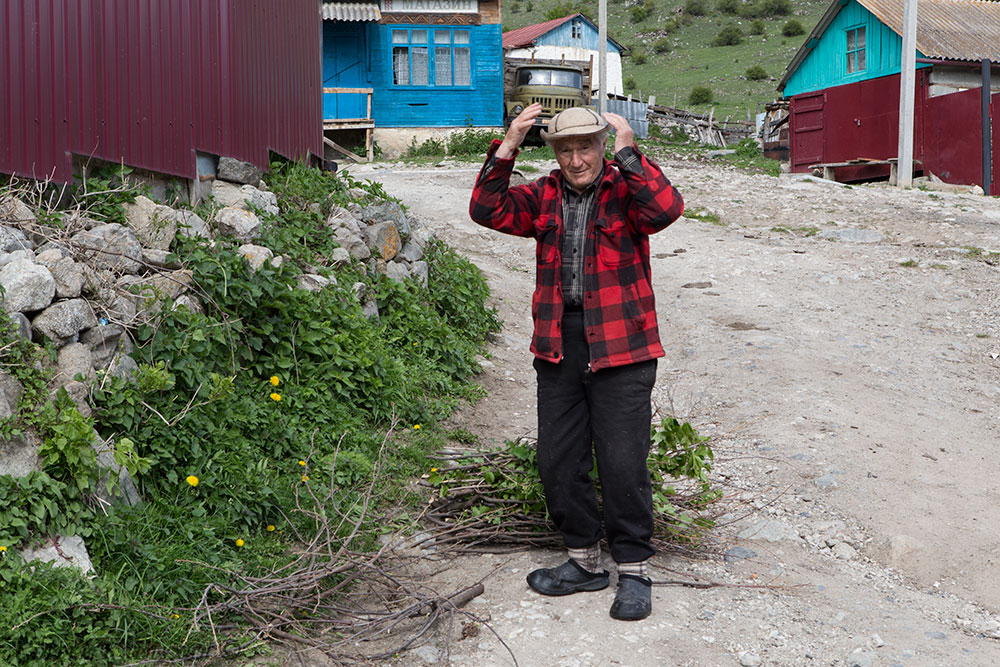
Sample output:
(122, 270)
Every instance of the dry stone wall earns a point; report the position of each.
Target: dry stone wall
(84, 286)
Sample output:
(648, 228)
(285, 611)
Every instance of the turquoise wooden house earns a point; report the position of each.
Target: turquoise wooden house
(404, 70)
(844, 84)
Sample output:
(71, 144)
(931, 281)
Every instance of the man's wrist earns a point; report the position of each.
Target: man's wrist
(505, 152)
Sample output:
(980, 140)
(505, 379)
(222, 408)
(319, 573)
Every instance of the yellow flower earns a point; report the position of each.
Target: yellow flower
(270, 527)
(175, 615)
(275, 397)
(274, 380)
(414, 342)
(301, 462)
(416, 427)
(2, 549)
(434, 469)
(239, 542)
(305, 478)
(192, 480)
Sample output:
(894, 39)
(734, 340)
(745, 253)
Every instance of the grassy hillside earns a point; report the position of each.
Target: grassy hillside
(671, 45)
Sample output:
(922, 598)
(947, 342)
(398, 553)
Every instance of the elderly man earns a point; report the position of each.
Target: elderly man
(595, 337)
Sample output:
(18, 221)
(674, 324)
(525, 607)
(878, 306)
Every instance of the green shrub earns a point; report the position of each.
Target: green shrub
(748, 148)
(629, 84)
(470, 142)
(757, 27)
(749, 156)
(430, 148)
(776, 7)
(663, 45)
(103, 191)
(639, 58)
(731, 7)
(695, 7)
(560, 9)
(700, 95)
(792, 28)
(640, 12)
(730, 35)
(756, 73)
(767, 8)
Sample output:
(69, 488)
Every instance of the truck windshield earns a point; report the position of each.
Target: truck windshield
(549, 77)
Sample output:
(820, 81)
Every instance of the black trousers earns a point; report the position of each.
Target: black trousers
(582, 414)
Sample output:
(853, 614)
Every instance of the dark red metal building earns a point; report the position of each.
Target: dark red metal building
(150, 82)
(861, 120)
(843, 87)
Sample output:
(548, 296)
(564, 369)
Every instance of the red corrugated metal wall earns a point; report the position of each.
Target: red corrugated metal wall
(149, 82)
(861, 120)
(954, 137)
(995, 115)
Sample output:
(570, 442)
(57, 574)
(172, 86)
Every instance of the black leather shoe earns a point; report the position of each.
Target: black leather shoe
(632, 602)
(568, 578)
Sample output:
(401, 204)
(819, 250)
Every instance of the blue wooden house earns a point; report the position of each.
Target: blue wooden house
(844, 84)
(411, 69)
(571, 39)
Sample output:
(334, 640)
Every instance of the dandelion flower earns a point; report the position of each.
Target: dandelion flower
(434, 469)
(305, 478)
(192, 480)
(274, 381)
(240, 542)
(275, 397)
(270, 527)
(301, 462)
(416, 427)
(2, 549)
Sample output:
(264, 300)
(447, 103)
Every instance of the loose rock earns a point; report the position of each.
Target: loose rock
(27, 286)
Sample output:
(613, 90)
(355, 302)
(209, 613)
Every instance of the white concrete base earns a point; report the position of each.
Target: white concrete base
(394, 142)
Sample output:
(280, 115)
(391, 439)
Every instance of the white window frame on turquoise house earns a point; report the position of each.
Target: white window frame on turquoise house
(430, 57)
(856, 42)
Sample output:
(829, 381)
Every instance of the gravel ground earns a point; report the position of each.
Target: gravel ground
(840, 345)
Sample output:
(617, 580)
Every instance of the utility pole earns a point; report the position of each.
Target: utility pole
(907, 86)
(602, 55)
(985, 92)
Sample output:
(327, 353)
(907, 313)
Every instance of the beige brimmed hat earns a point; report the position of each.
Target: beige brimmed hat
(574, 122)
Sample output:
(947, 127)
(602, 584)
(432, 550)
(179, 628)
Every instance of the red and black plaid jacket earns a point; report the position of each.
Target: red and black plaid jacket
(619, 310)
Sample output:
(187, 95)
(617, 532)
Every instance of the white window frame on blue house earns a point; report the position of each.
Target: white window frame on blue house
(577, 29)
(856, 41)
(431, 57)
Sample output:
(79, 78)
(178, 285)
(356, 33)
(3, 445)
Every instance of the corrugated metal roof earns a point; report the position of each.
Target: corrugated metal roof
(526, 36)
(351, 11)
(946, 29)
(949, 29)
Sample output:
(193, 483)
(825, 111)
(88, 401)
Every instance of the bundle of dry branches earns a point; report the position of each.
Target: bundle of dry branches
(493, 501)
(351, 605)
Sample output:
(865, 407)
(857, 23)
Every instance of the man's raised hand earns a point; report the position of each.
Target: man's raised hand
(624, 134)
(518, 130)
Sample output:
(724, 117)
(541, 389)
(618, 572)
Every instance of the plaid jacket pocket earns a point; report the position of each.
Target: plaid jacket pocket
(548, 241)
(615, 245)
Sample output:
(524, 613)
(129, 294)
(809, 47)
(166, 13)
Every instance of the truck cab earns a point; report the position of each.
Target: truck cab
(555, 87)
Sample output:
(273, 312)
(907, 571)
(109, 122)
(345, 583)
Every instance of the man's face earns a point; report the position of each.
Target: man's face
(580, 159)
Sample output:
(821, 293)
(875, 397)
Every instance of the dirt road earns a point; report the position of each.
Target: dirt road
(840, 345)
